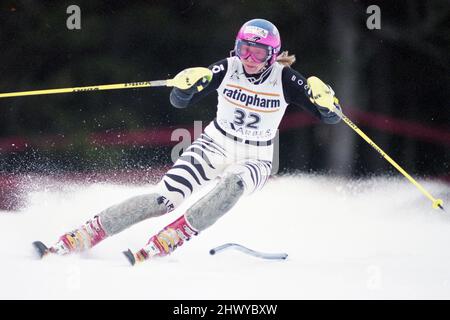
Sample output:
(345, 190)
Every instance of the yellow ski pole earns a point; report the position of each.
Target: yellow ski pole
(184, 80)
(323, 98)
(437, 203)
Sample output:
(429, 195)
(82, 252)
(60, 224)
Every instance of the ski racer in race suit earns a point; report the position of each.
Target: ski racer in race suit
(254, 86)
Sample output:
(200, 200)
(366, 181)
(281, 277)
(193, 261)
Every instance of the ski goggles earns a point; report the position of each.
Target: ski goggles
(258, 52)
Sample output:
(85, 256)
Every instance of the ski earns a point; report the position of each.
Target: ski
(258, 254)
(139, 256)
(41, 249)
(130, 257)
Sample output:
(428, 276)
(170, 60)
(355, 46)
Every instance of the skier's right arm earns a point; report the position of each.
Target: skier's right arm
(184, 98)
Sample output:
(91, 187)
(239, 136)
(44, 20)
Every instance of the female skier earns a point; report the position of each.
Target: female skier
(254, 86)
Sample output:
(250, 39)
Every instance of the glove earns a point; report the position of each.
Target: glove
(180, 98)
(198, 86)
(190, 74)
(325, 110)
(322, 95)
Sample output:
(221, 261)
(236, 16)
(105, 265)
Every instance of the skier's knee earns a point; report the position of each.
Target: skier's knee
(234, 183)
(253, 173)
(170, 198)
(216, 203)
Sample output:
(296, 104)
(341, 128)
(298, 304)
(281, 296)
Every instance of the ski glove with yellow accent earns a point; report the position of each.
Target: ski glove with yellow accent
(322, 95)
(180, 98)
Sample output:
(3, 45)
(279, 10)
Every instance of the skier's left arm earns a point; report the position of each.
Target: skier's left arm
(296, 91)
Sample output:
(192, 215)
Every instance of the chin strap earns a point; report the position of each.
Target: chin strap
(255, 80)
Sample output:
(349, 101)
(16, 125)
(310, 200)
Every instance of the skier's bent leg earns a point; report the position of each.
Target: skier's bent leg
(112, 221)
(239, 179)
(196, 167)
(216, 203)
(200, 216)
(123, 215)
(188, 174)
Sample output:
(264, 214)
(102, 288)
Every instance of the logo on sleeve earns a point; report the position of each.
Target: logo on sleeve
(218, 68)
(299, 81)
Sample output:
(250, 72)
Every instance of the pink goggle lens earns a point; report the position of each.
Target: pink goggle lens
(258, 53)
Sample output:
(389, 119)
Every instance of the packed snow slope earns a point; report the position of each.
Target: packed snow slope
(346, 239)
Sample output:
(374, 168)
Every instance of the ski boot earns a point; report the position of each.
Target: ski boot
(81, 239)
(163, 243)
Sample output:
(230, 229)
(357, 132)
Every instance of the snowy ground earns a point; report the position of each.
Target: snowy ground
(365, 239)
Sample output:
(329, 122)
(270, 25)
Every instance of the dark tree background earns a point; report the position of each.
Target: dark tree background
(400, 71)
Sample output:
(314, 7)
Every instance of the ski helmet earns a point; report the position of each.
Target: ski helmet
(262, 34)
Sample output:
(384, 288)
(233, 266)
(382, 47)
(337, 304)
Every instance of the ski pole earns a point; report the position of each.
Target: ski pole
(437, 203)
(324, 98)
(183, 80)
